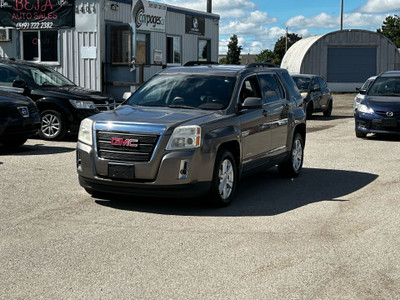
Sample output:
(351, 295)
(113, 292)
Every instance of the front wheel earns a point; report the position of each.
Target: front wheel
(294, 164)
(53, 125)
(361, 134)
(224, 179)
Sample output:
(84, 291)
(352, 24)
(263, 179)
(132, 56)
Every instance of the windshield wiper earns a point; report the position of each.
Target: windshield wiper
(181, 106)
(47, 84)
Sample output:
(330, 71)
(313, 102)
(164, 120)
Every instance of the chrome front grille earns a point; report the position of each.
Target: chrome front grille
(123, 146)
(107, 105)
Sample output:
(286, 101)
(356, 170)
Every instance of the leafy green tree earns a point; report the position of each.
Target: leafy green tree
(280, 45)
(267, 56)
(222, 61)
(233, 54)
(391, 29)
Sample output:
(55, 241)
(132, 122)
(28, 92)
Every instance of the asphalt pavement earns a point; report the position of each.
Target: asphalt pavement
(331, 233)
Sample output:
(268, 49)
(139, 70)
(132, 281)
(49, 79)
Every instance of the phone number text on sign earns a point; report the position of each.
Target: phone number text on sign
(34, 25)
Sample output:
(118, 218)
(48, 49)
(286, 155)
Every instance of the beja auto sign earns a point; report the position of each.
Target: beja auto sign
(149, 16)
(37, 14)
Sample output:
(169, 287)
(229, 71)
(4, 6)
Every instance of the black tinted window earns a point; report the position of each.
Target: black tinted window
(7, 76)
(321, 82)
(250, 88)
(270, 88)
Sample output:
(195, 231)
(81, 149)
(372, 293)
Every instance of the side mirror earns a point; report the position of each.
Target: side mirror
(19, 84)
(252, 102)
(315, 88)
(126, 95)
(357, 89)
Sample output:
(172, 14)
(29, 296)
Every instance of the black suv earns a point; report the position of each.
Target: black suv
(316, 94)
(19, 119)
(195, 130)
(61, 103)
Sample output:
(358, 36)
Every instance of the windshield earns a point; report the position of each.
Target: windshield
(202, 91)
(385, 86)
(47, 77)
(302, 83)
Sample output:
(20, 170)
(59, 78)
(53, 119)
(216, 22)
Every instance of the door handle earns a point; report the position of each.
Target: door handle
(265, 113)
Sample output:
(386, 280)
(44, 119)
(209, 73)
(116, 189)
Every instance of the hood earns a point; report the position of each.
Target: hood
(168, 117)
(382, 103)
(71, 92)
(12, 99)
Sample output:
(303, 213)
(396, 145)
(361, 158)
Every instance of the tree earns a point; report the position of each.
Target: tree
(391, 29)
(222, 61)
(267, 56)
(233, 54)
(280, 45)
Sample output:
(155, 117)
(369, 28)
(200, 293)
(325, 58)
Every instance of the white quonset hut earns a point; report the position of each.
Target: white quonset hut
(345, 58)
(105, 45)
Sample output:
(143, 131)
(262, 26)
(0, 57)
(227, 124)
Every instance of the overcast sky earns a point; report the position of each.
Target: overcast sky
(260, 23)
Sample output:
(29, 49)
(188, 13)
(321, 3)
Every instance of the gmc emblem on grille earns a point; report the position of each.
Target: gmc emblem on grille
(124, 143)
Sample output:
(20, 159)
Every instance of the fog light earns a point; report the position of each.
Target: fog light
(183, 169)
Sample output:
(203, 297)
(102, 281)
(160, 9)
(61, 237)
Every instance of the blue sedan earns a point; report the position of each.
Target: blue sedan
(379, 111)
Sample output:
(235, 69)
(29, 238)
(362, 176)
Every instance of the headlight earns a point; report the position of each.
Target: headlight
(185, 137)
(82, 104)
(365, 109)
(304, 95)
(85, 131)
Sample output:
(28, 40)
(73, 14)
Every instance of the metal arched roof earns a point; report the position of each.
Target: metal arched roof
(294, 56)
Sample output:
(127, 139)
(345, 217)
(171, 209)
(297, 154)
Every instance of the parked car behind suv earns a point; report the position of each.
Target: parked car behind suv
(379, 111)
(316, 94)
(61, 103)
(195, 130)
(19, 119)
(361, 92)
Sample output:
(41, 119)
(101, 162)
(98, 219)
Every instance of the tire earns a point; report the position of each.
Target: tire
(361, 134)
(292, 167)
(11, 143)
(309, 110)
(328, 111)
(53, 125)
(225, 178)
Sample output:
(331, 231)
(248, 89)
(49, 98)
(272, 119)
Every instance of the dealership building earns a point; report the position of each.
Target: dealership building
(111, 46)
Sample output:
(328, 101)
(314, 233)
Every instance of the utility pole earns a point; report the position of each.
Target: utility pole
(286, 39)
(341, 14)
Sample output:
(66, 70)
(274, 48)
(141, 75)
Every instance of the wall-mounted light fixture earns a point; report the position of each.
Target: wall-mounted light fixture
(114, 6)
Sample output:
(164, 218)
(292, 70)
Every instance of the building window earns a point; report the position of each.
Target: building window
(204, 50)
(40, 46)
(142, 48)
(173, 50)
(121, 44)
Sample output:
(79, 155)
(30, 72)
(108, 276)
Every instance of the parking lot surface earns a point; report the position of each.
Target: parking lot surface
(331, 233)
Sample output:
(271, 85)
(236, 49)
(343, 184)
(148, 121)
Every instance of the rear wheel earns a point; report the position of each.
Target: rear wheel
(328, 111)
(224, 179)
(294, 164)
(309, 110)
(53, 125)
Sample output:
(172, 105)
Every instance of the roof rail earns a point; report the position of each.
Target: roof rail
(261, 65)
(199, 63)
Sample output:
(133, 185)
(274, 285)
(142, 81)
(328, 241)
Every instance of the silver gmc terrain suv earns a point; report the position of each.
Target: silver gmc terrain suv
(195, 130)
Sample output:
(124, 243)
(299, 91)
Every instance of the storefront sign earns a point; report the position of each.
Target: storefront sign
(37, 14)
(149, 16)
(195, 25)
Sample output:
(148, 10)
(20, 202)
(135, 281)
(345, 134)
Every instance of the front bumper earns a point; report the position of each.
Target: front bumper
(376, 124)
(185, 173)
